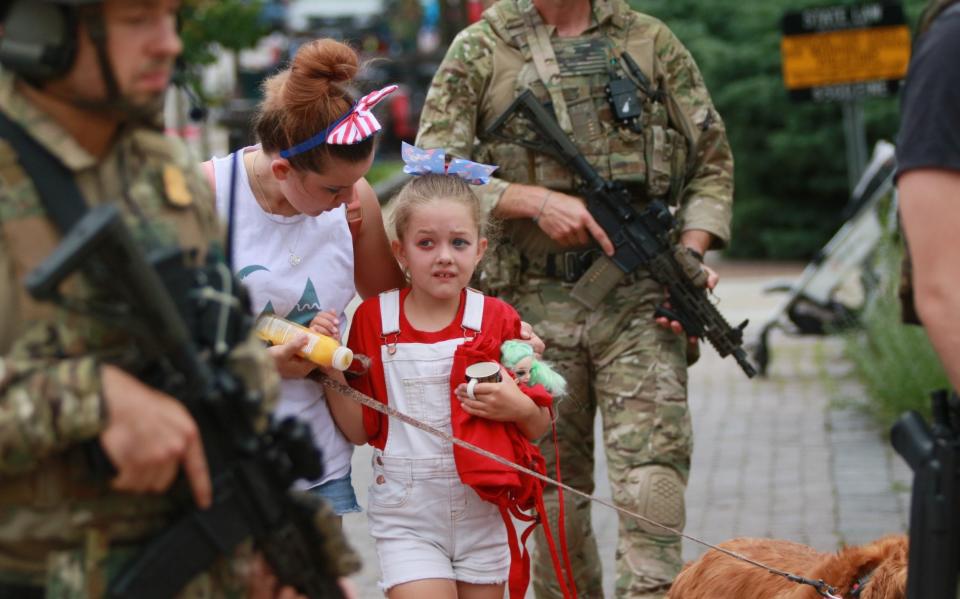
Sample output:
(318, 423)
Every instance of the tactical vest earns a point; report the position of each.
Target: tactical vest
(169, 206)
(652, 162)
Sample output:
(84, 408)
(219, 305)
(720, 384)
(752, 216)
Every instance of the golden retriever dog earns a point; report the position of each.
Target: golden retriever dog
(877, 570)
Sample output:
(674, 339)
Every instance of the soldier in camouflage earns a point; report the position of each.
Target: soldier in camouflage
(616, 359)
(89, 88)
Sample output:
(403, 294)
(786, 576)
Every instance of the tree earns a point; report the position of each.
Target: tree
(791, 183)
(210, 26)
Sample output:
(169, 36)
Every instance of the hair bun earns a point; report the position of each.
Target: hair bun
(303, 99)
(325, 59)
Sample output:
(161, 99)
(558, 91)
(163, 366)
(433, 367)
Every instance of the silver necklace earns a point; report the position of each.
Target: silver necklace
(294, 259)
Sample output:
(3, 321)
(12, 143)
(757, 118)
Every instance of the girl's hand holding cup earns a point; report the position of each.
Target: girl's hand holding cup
(490, 392)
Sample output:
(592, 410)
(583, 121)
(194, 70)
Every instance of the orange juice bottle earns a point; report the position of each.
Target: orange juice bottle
(320, 349)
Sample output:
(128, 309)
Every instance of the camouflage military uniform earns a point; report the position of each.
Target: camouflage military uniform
(60, 527)
(615, 358)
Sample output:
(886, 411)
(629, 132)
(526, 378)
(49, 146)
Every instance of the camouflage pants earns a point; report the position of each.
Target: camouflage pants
(84, 574)
(81, 562)
(615, 359)
(71, 576)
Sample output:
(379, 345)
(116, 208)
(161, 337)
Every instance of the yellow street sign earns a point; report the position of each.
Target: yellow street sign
(845, 56)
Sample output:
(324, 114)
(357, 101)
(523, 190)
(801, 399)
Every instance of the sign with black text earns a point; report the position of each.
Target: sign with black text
(844, 53)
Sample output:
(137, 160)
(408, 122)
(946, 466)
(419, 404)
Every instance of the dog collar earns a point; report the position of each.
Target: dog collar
(858, 585)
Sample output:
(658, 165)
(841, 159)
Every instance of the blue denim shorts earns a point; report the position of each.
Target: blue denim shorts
(339, 494)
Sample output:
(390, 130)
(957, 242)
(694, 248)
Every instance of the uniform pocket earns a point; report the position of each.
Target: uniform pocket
(659, 155)
(679, 175)
(666, 154)
(585, 120)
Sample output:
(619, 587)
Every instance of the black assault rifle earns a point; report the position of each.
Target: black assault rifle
(186, 320)
(640, 239)
(933, 454)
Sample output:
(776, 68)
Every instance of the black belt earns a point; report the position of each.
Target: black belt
(21, 591)
(570, 266)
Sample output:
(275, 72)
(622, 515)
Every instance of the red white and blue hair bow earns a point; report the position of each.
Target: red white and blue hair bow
(433, 162)
(352, 128)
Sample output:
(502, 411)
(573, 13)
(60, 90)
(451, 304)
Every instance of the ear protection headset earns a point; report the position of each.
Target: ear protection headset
(38, 38)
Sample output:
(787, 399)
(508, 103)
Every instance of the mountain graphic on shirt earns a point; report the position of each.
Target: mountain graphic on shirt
(307, 306)
(304, 310)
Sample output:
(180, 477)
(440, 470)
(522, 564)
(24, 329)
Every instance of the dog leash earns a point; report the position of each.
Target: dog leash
(824, 589)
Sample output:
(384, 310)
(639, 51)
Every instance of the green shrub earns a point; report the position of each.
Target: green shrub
(791, 181)
(896, 362)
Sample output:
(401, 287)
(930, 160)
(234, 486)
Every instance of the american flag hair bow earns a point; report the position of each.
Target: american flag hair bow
(433, 162)
(352, 128)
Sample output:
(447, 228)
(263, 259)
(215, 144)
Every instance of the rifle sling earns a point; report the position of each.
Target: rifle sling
(54, 182)
(64, 204)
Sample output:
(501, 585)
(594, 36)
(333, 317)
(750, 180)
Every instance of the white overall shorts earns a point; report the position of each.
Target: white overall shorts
(428, 524)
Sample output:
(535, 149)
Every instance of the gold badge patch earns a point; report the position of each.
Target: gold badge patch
(175, 185)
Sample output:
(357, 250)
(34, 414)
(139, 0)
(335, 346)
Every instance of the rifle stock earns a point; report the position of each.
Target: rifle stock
(252, 467)
(640, 239)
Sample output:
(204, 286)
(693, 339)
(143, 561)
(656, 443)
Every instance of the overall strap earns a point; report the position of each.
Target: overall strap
(473, 312)
(390, 312)
(55, 184)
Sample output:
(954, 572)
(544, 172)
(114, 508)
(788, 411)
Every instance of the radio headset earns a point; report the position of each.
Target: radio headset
(37, 40)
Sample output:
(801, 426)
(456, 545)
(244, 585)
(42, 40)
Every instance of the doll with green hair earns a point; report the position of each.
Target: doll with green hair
(519, 359)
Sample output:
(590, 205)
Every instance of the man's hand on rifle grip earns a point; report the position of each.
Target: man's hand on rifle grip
(564, 218)
(149, 436)
(567, 221)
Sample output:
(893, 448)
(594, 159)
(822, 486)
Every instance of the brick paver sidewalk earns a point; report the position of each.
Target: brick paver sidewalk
(790, 456)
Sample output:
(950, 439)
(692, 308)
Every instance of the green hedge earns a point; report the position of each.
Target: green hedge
(895, 361)
(791, 182)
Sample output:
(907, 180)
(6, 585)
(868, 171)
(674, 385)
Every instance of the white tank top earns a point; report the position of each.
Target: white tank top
(322, 279)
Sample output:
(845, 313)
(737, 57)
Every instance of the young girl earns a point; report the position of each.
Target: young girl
(302, 215)
(435, 536)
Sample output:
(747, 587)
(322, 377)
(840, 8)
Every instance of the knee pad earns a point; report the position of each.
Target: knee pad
(660, 498)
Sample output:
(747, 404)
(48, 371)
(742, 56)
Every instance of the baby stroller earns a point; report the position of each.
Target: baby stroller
(812, 306)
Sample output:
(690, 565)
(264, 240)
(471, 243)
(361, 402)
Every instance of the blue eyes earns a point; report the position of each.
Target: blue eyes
(458, 243)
